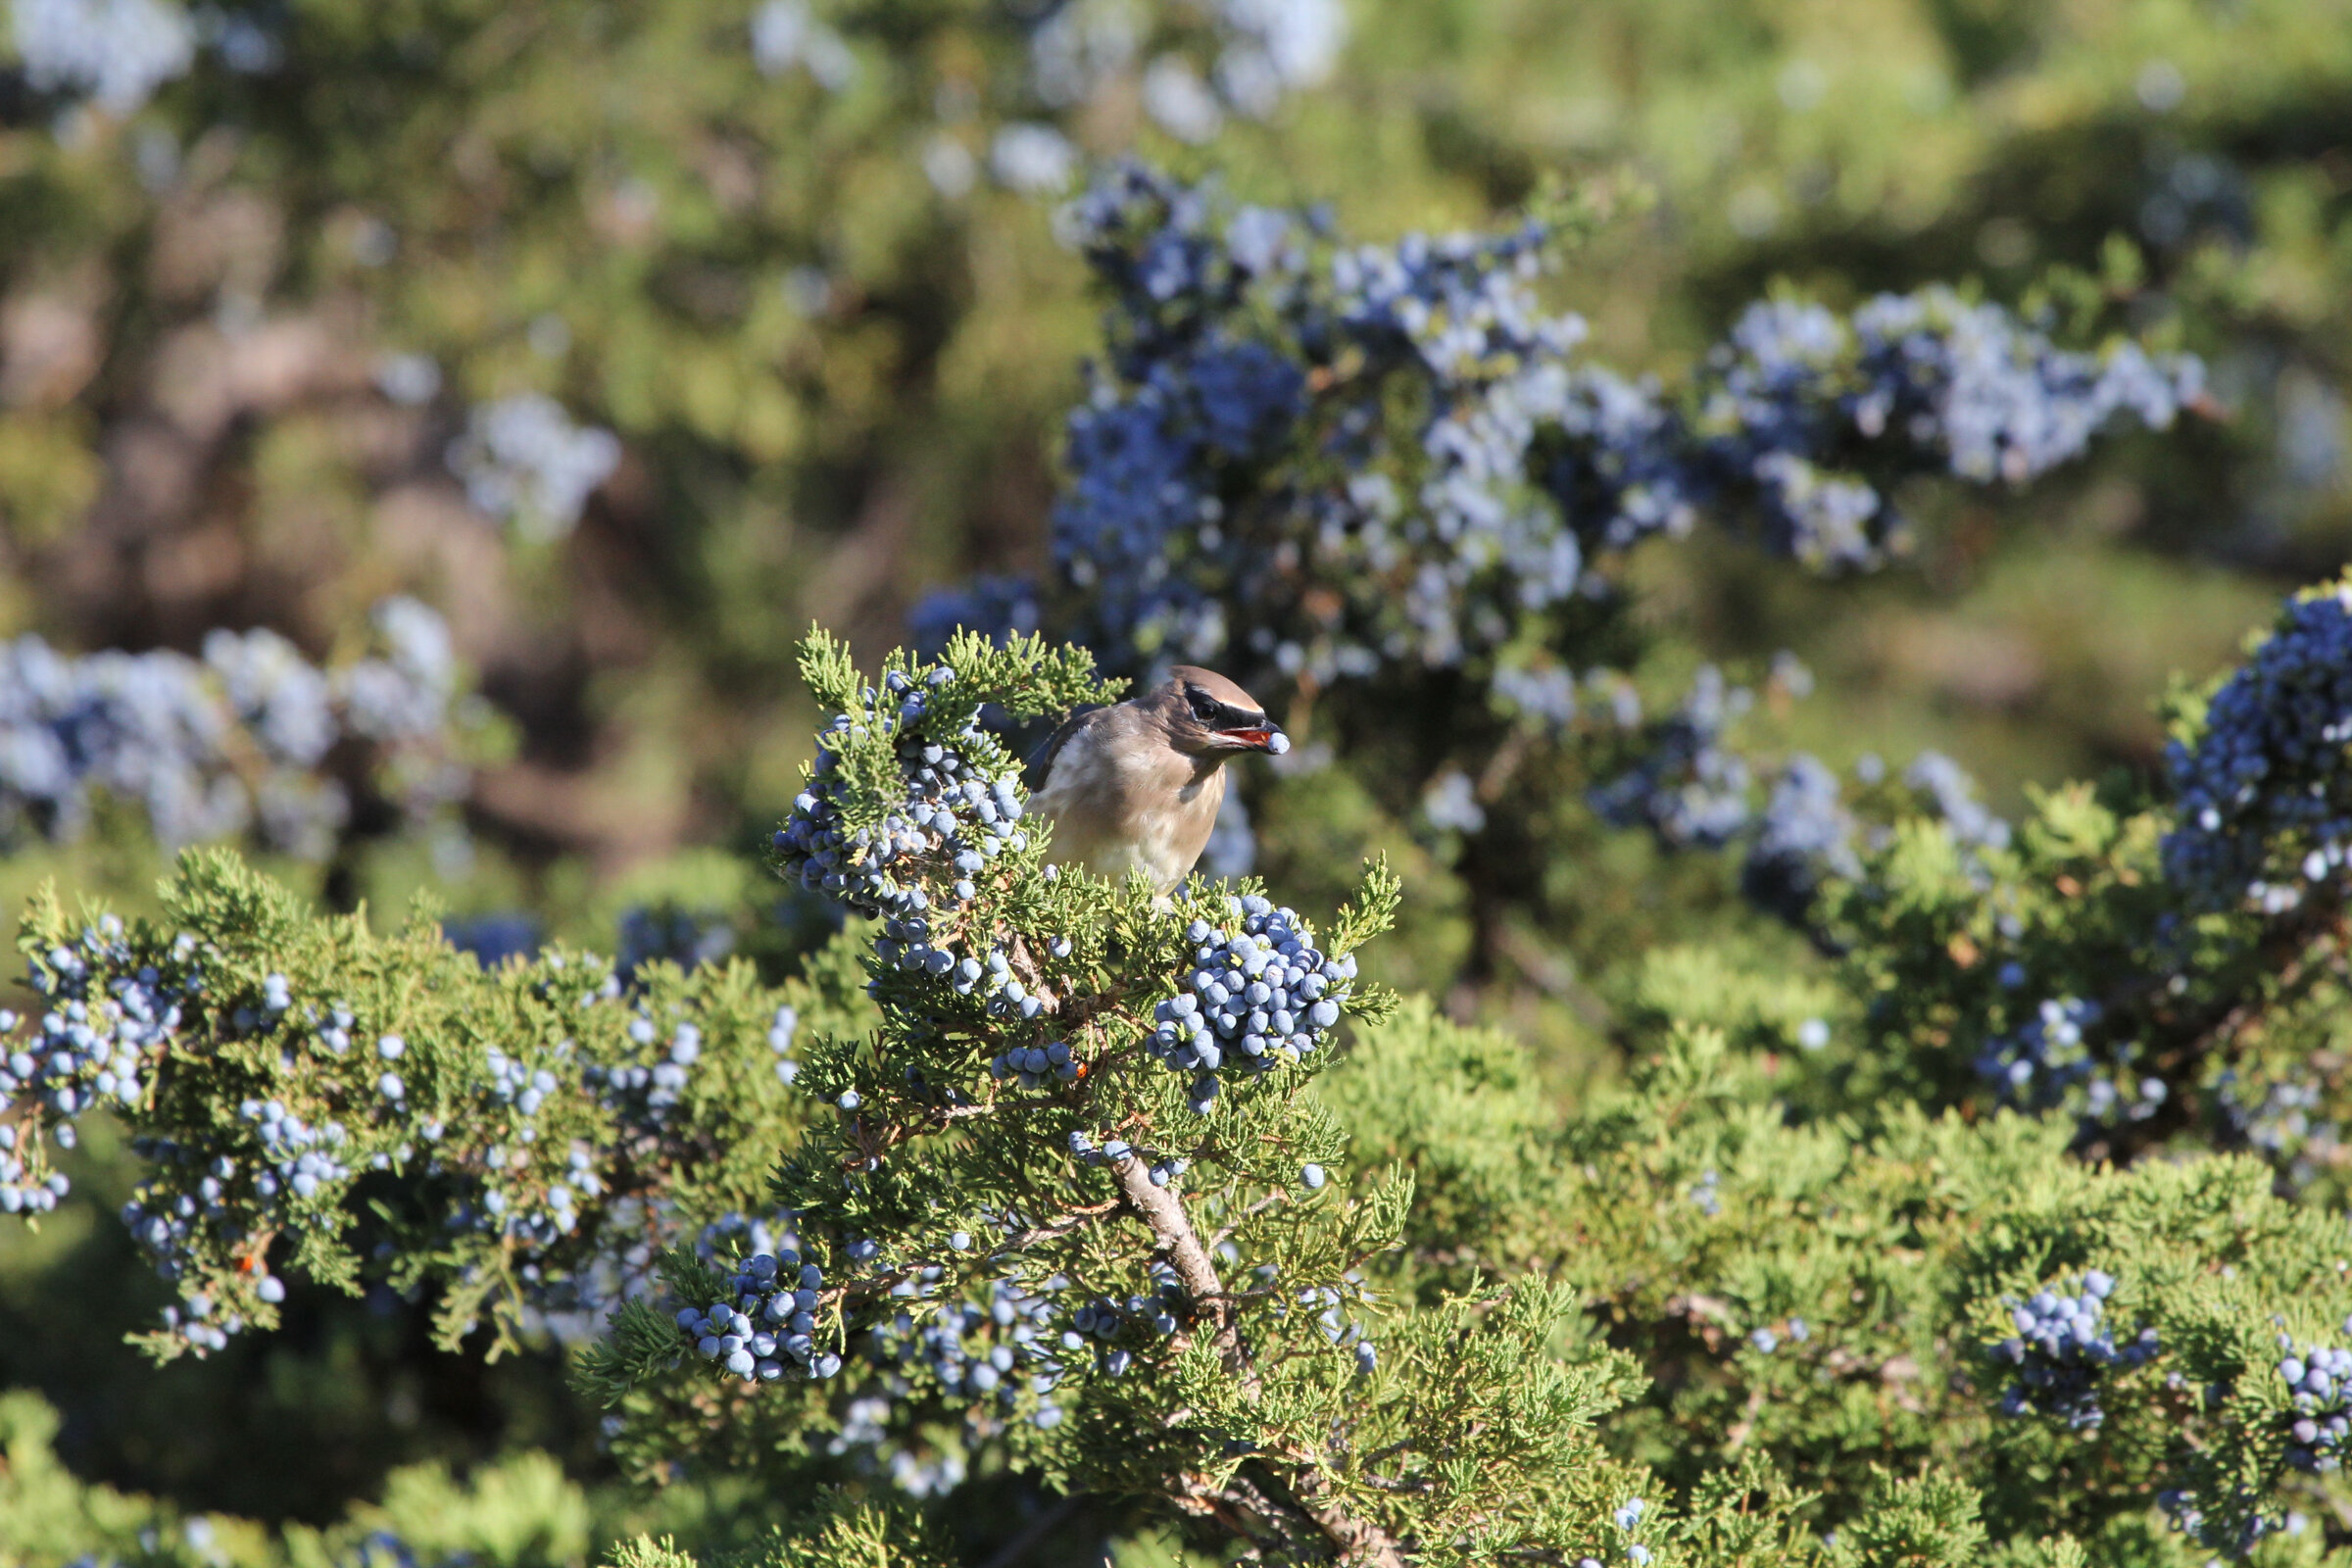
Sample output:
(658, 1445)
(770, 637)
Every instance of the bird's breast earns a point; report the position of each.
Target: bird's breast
(1170, 835)
(1146, 810)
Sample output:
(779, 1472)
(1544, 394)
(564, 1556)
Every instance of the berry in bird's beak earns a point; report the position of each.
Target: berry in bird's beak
(1273, 741)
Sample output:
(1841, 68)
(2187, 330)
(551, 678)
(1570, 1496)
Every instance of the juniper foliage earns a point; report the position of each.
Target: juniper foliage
(1808, 1288)
(1369, 480)
(1178, 1301)
(367, 1107)
(1333, 459)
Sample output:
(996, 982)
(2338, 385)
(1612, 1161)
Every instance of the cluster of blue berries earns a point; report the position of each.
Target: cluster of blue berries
(905, 944)
(608, 1236)
(176, 736)
(1692, 789)
(1114, 1153)
(340, 1102)
(200, 1203)
(95, 1044)
(1117, 1327)
(165, 1218)
(1459, 303)
(766, 1331)
(574, 1304)
(1921, 382)
(1079, 55)
(626, 1232)
(2263, 794)
(2318, 1382)
(563, 1197)
(1200, 402)
(1995, 398)
(1260, 992)
(644, 1092)
(299, 1157)
(23, 1192)
(988, 1349)
(2286, 1122)
(514, 1082)
(526, 462)
(2062, 1350)
(1441, 533)
(194, 1322)
(1142, 529)
(1687, 787)
(866, 1433)
(538, 1213)
(1036, 1066)
(2123, 1097)
(1003, 993)
(962, 800)
(2035, 1065)
(2183, 1513)
(994, 1351)
(2048, 1062)
(1804, 834)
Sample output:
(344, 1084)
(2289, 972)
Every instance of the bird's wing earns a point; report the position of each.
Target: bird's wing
(1041, 762)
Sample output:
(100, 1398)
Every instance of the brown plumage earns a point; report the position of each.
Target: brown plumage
(1137, 785)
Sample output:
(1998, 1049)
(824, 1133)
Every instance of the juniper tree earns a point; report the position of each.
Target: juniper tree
(2158, 961)
(1395, 490)
(1076, 1196)
(1162, 1200)
(1052, 1187)
(2147, 982)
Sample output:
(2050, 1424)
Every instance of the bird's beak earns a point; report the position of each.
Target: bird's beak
(1268, 739)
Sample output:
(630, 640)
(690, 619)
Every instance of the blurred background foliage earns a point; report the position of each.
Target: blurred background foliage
(632, 335)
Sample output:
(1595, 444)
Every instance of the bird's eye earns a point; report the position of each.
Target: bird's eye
(1204, 706)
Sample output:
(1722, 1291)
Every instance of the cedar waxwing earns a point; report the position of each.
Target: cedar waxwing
(1137, 785)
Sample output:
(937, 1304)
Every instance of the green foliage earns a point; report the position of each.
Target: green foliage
(46, 1515)
(514, 1515)
(941, 1183)
(838, 384)
(476, 1141)
(1389, 1304)
(1814, 1306)
(836, 1535)
(519, 1513)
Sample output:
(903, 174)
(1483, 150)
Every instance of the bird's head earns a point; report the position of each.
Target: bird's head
(1209, 717)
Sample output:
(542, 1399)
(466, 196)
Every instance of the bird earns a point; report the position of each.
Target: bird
(1136, 785)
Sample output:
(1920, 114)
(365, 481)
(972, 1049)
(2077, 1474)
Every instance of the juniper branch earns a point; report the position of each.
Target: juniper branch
(1358, 1539)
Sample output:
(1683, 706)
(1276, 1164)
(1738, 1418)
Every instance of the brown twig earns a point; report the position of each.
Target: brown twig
(1358, 1540)
(1172, 1228)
